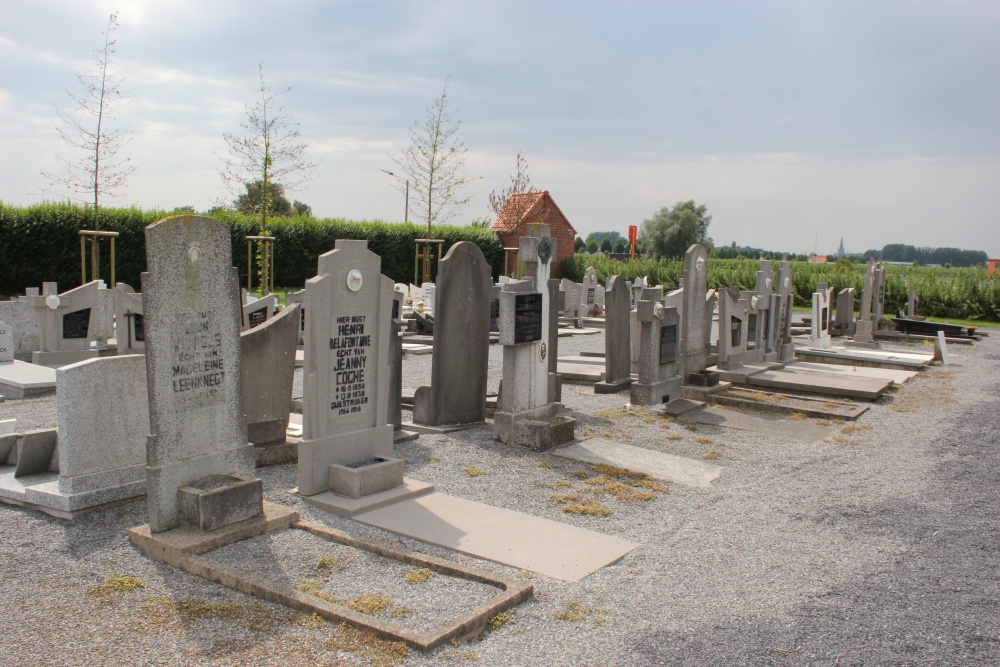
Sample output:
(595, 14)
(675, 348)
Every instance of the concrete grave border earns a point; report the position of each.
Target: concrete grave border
(771, 406)
(184, 548)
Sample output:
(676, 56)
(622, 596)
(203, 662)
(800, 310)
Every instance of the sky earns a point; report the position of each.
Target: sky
(796, 123)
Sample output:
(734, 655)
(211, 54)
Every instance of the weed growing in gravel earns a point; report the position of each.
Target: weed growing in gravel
(582, 474)
(577, 504)
(620, 412)
(562, 484)
(372, 604)
(822, 422)
(475, 471)
(664, 424)
(418, 576)
(117, 583)
(314, 587)
(691, 426)
(312, 622)
(400, 612)
(465, 656)
(500, 620)
(250, 616)
(711, 456)
(675, 436)
(546, 464)
(854, 428)
(329, 563)
(837, 438)
(650, 419)
(433, 459)
(703, 441)
(573, 612)
(797, 416)
(366, 645)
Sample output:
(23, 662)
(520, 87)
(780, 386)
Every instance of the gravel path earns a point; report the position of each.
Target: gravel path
(878, 546)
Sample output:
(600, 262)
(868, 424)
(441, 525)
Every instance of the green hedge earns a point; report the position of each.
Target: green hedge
(967, 294)
(40, 243)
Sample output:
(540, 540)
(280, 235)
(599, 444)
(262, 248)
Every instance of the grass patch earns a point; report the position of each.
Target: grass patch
(620, 412)
(546, 464)
(500, 620)
(562, 484)
(711, 456)
(312, 622)
(433, 459)
(703, 441)
(475, 471)
(837, 438)
(372, 604)
(675, 436)
(854, 428)
(314, 587)
(822, 422)
(573, 612)
(400, 612)
(250, 616)
(117, 583)
(691, 427)
(797, 416)
(581, 474)
(329, 563)
(418, 576)
(366, 645)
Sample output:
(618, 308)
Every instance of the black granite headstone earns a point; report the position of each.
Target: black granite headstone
(76, 324)
(527, 318)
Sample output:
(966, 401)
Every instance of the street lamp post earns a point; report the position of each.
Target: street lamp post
(406, 213)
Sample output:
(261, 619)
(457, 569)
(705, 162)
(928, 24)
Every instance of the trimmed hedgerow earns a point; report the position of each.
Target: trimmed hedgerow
(41, 243)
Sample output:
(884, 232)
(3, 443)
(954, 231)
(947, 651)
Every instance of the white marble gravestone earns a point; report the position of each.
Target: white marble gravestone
(198, 440)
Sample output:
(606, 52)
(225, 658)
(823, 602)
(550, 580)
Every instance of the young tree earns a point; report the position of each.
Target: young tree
(99, 171)
(435, 162)
(606, 245)
(579, 245)
(267, 156)
(519, 182)
(670, 232)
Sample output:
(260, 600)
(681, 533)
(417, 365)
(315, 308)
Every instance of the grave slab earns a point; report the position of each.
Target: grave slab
(897, 376)
(501, 535)
(676, 469)
(882, 358)
(585, 372)
(799, 429)
(821, 383)
(19, 379)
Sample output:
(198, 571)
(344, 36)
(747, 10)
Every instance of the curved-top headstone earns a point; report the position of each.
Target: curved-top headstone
(191, 303)
(457, 394)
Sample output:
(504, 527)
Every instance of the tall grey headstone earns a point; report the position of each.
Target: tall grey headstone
(198, 437)
(555, 382)
(268, 355)
(786, 292)
(864, 327)
(843, 321)
(819, 329)
(457, 393)
(733, 329)
(697, 315)
(658, 344)
(911, 303)
(617, 338)
(345, 409)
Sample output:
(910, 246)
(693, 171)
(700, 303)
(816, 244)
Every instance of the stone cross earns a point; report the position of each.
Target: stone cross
(457, 393)
(658, 342)
(191, 302)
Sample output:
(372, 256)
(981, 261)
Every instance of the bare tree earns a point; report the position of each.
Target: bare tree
(435, 162)
(267, 154)
(520, 182)
(98, 171)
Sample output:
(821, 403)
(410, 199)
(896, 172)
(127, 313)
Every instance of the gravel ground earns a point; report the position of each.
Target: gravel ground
(877, 546)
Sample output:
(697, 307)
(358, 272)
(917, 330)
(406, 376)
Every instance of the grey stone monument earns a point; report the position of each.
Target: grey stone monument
(786, 294)
(199, 462)
(617, 338)
(524, 415)
(864, 327)
(658, 382)
(130, 327)
(68, 323)
(19, 313)
(259, 311)
(696, 321)
(297, 298)
(819, 329)
(555, 382)
(6, 343)
(268, 355)
(457, 393)
(911, 303)
(843, 322)
(733, 329)
(878, 295)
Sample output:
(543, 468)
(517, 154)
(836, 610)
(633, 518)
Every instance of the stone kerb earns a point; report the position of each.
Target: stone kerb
(191, 301)
(345, 413)
(457, 393)
(268, 353)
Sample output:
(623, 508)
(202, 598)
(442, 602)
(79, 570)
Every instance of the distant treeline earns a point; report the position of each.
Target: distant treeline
(899, 252)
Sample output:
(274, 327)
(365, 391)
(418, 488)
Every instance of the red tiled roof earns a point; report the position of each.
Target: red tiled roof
(521, 207)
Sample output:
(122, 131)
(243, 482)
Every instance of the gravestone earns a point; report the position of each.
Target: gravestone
(495, 308)
(696, 320)
(457, 393)
(347, 436)
(912, 302)
(396, 368)
(878, 295)
(555, 382)
(843, 322)
(69, 322)
(733, 329)
(199, 462)
(786, 292)
(571, 292)
(659, 337)
(525, 416)
(19, 313)
(819, 328)
(758, 315)
(591, 294)
(292, 298)
(617, 338)
(864, 326)
(268, 365)
(258, 311)
(130, 327)
(6, 343)
(638, 285)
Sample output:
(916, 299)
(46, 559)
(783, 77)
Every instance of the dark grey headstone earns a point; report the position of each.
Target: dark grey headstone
(268, 374)
(618, 304)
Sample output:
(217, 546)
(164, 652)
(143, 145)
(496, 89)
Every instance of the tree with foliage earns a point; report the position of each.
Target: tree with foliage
(267, 151)
(520, 182)
(606, 245)
(98, 171)
(592, 246)
(435, 162)
(302, 209)
(620, 245)
(671, 231)
(253, 200)
(579, 245)
(600, 236)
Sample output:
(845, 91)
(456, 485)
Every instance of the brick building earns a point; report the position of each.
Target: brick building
(527, 208)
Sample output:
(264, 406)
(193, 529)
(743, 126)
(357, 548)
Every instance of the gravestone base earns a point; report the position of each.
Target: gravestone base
(365, 478)
(19, 379)
(316, 456)
(863, 345)
(417, 429)
(217, 501)
(276, 453)
(539, 430)
(787, 352)
(701, 393)
(705, 378)
(63, 357)
(613, 387)
(655, 393)
(402, 435)
(346, 507)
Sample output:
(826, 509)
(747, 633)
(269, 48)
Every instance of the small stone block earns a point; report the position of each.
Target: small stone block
(217, 501)
(367, 477)
(540, 436)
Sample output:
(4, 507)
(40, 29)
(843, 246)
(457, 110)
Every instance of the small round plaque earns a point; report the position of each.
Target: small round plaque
(354, 280)
(699, 264)
(52, 301)
(195, 253)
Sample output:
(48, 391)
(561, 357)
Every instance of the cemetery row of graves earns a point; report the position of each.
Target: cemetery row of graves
(179, 391)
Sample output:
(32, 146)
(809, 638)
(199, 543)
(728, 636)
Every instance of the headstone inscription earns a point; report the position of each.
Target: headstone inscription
(199, 462)
(524, 415)
(6, 343)
(347, 437)
(457, 393)
(617, 338)
(130, 327)
(658, 382)
(258, 311)
(268, 364)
